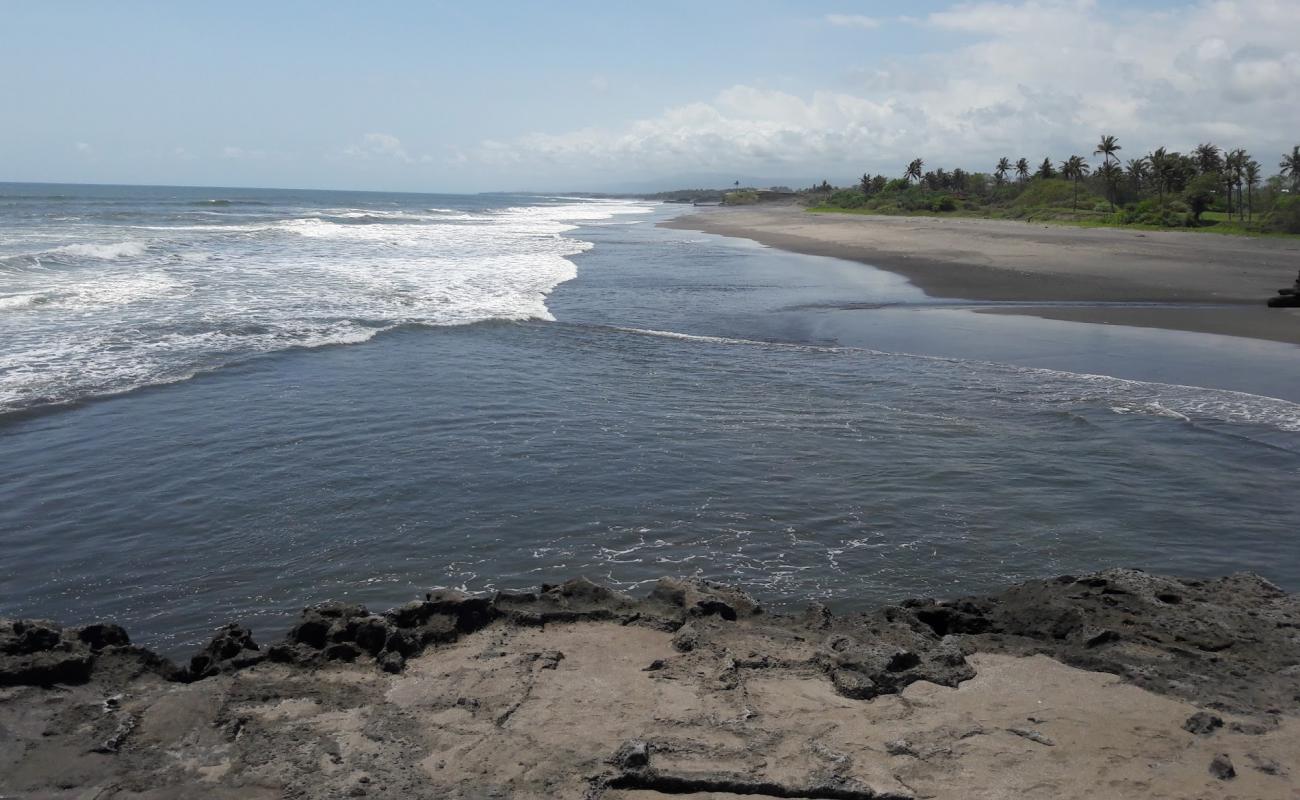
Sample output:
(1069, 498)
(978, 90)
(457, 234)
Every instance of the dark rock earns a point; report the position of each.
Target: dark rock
(700, 598)
(686, 639)
(470, 613)
(1203, 723)
(405, 643)
(103, 634)
(332, 609)
(46, 668)
(632, 754)
(581, 590)
(342, 651)
(1095, 637)
(889, 658)
(1209, 641)
(855, 685)
(326, 622)
(963, 617)
(1221, 767)
(410, 614)
(232, 648)
(900, 747)
(655, 665)
(24, 637)
(437, 629)
(313, 632)
(392, 662)
(371, 634)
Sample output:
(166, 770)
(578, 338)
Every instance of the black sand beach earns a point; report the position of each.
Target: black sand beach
(1224, 279)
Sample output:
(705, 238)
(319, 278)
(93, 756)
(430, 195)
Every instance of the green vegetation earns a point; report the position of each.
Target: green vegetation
(1208, 189)
(740, 197)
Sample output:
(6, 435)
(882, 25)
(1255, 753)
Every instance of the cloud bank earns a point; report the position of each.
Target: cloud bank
(1034, 78)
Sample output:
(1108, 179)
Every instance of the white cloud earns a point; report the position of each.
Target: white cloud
(853, 21)
(599, 83)
(241, 153)
(1029, 78)
(379, 145)
(82, 147)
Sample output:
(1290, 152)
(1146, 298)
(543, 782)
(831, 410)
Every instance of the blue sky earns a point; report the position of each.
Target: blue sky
(467, 97)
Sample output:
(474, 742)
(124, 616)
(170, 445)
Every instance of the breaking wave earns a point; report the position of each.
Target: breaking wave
(118, 315)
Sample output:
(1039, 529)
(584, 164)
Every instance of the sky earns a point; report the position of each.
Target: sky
(608, 96)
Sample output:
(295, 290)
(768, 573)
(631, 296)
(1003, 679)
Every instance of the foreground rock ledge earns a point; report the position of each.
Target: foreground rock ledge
(1118, 684)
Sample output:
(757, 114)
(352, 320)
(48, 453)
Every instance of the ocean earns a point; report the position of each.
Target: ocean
(223, 404)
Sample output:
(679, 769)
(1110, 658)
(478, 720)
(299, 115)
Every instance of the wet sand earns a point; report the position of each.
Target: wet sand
(1155, 279)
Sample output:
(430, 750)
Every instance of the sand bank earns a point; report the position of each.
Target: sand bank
(1176, 280)
(1119, 684)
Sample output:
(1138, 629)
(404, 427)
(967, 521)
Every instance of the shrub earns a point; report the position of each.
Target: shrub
(847, 198)
(743, 197)
(1053, 193)
(944, 202)
(1199, 195)
(1285, 216)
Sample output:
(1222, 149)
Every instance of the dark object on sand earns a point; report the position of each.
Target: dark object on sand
(1203, 723)
(1287, 298)
(1221, 767)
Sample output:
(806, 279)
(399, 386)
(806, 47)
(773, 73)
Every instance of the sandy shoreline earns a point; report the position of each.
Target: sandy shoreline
(1192, 282)
(1118, 684)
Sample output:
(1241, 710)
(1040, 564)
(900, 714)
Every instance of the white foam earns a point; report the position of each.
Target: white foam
(196, 296)
(14, 301)
(1061, 389)
(112, 250)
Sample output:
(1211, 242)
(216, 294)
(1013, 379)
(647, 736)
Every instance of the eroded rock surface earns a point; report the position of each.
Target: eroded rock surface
(577, 690)
(1230, 643)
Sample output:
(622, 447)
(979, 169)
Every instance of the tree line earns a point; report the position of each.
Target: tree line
(1162, 187)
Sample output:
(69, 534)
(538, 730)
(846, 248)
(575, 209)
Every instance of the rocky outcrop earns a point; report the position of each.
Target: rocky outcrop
(1231, 642)
(579, 690)
(44, 653)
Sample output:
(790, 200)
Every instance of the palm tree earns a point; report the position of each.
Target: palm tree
(1000, 174)
(1228, 174)
(1138, 170)
(1238, 159)
(865, 184)
(1045, 169)
(1290, 165)
(1075, 168)
(1207, 158)
(1159, 160)
(959, 179)
(1111, 173)
(1107, 148)
(1252, 180)
(1022, 170)
(914, 170)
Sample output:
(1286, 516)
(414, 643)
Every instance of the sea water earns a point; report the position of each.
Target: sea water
(223, 404)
